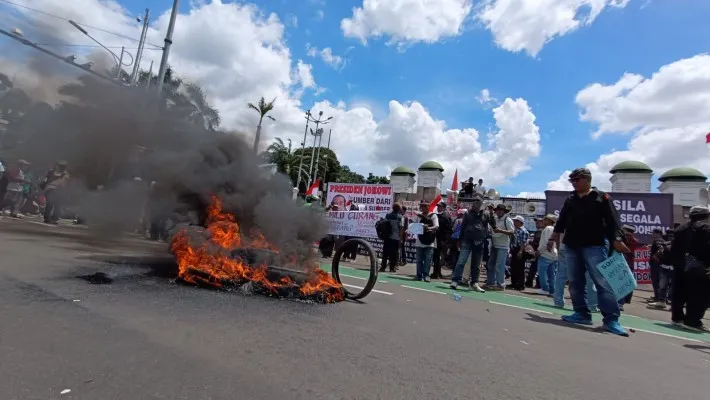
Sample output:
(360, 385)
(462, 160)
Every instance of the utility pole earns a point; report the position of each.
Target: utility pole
(325, 173)
(303, 149)
(166, 48)
(141, 45)
(320, 140)
(119, 69)
(313, 152)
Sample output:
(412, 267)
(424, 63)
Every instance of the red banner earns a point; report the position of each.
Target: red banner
(642, 268)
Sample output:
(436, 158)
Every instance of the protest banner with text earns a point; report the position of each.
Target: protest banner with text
(371, 197)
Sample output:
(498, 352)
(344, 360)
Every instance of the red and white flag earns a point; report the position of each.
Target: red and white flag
(433, 204)
(455, 182)
(313, 190)
(707, 140)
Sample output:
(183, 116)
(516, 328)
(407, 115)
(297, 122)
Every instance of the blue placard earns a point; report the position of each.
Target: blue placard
(615, 270)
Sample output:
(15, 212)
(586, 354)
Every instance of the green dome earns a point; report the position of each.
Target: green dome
(402, 170)
(631, 166)
(431, 165)
(683, 174)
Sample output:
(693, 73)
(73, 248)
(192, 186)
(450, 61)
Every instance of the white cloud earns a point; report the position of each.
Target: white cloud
(326, 54)
(529, 195)
(320, 14)
(305, 74)
(485, 97)
(407, 21)
(667, 115)
(410, 136)
(523, 25)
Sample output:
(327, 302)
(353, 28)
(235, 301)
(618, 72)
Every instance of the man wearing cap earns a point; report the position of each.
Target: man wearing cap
(590, 223)
(691, 270)
(474, 229)
(502, 232)
(547, 257)
(519, 254)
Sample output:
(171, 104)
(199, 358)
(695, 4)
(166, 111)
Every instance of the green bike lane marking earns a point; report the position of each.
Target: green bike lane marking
(526, 303)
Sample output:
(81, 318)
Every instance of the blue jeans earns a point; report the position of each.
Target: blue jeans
(424, 257)
(562, 277)
(546, 271)
(583, 260)
(496, 267)
(469, 248)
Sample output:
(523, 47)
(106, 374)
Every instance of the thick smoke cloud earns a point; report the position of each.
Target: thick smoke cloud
(111, 135)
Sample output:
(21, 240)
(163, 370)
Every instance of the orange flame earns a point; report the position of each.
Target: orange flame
(210, 263)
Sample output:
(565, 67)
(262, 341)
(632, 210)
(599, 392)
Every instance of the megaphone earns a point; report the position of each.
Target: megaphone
(493, 194)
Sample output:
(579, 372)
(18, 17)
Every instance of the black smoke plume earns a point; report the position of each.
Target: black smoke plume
(119, 140)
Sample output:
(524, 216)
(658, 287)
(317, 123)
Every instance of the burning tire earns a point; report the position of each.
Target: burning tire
(371, 281)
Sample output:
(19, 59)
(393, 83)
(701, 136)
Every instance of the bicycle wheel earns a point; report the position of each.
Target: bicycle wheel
(371, 281)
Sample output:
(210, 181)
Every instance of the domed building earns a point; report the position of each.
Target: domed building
(631, 177)
(429, 178)
(688, 186)
(402, 180)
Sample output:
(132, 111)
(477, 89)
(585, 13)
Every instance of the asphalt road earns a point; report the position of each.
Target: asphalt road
(144, 337)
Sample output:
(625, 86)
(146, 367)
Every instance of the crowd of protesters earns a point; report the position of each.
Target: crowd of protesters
(563, 251)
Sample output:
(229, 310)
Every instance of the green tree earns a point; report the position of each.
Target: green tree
(280, 154)
(377, 179)
(328, 165)
(263, 108)
(345, 175)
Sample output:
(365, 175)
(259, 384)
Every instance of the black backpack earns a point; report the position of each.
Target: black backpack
(383, 228)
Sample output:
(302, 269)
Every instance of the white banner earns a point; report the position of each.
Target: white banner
(372, 197)
(354, 223)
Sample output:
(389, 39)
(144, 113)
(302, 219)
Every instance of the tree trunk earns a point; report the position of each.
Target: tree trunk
(258, 136)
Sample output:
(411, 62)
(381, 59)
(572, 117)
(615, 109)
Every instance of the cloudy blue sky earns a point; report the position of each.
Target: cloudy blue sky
(514, 91)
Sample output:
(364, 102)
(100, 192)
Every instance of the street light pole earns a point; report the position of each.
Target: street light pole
(313, 152)
(141, 45)
(303, 148)
(320, 140)
(166, 48)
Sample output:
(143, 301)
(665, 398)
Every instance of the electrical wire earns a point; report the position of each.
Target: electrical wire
(78, 23)
(87, 46)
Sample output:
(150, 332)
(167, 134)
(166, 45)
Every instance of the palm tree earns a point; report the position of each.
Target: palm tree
(191, 102)
(280, 154)
(262, 108)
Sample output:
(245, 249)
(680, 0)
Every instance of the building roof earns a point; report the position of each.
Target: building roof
(683, 174)
(631, 166)
(431, 165)
(402, 170)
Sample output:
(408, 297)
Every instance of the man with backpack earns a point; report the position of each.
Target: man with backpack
(426, 242)
(472, 236)
(390, 231)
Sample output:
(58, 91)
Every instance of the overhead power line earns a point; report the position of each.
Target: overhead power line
(88, 46)
(82, 24)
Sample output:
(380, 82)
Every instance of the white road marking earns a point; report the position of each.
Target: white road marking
(374, 290)
(354, 277)
(668, 335)
(522, 308)
(423, 290)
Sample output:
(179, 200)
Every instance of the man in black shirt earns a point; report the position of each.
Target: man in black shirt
(589, 222)
(691, 255)
(474, 229)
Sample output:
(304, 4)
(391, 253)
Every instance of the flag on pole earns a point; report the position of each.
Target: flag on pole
(455, 182)
(432, 205)
(707, 140)
(313, 190)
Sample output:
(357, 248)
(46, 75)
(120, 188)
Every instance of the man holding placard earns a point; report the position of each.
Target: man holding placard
(589, 222)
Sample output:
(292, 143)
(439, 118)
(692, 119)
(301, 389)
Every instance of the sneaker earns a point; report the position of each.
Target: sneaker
(558, 305)
(577, 318)
(651, 299)
(696, 328)
(543, 292)
(616, 328)
(477, 288)
(454, 285)
(677, 323)
(426, 279)
(657, 305)
(495, 288)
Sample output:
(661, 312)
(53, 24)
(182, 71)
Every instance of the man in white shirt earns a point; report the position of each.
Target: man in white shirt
(547, 257)
(499, 250)
(480, 189)
(426, 242)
